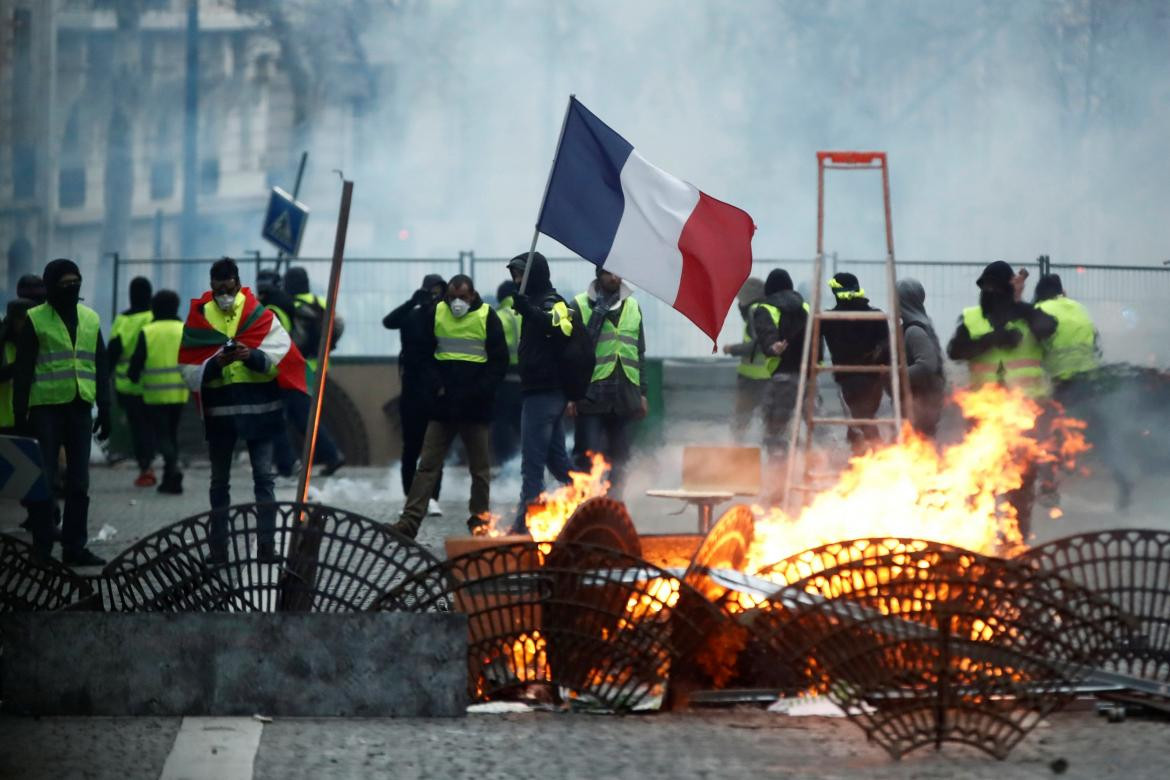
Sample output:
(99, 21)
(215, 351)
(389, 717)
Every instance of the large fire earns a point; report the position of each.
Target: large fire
(913, 490)
(549, 513)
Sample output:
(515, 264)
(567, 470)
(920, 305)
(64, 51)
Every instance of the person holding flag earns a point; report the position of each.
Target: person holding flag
(237, 357)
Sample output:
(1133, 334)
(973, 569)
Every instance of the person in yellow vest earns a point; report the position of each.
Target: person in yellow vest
(1001, 340)
(1072, 354)
(308, 319)
(124, 338)
(15, 320)
(61, 375)
(616, 398)
(509, 398)
(778, 323)
(155, 364)
(469, 358)
(753, 372)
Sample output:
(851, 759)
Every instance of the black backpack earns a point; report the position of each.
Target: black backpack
(577, 360)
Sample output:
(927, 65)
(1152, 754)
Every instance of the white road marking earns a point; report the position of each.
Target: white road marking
(214, 749)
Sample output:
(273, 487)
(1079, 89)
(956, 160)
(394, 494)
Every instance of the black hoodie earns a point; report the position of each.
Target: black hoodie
(541, 342)
(778, 292)
(857, 343)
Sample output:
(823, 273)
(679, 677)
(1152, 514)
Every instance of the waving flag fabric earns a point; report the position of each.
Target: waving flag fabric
(615, 209)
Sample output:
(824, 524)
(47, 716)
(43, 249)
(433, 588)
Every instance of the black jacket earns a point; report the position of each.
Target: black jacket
(541, 342)
(25, 365)
(857, 343)
(414, 320)
(461, 391)
(999, 313)
(793, 321)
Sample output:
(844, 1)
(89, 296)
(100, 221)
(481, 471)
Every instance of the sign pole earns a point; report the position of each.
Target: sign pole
(281, 256)
(551, 169)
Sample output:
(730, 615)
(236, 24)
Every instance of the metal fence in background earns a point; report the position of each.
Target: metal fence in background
(1127, 302)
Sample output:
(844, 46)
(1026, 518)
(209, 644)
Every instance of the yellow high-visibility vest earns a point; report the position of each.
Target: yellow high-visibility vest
(127, 327)
(1020, 367)
(7, 415)
(1072, 349)
(65, 369)
(511, 322)
(162, 381)
(461, 338)
(616, 344)
(237, 372)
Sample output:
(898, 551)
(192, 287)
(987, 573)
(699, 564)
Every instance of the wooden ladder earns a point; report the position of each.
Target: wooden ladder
(801, 481)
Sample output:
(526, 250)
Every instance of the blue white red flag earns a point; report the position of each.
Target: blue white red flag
(609, 205)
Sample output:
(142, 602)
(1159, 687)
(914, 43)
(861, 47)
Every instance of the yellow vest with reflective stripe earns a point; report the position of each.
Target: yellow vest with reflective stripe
(127, 327)
(1072, 349)
(757, 365)
(616, 344)
(65, 370)
(233, 373)
(162, 381)
(511, 322)
(7, 416)
(461, 338)
(281, 316)
(311, 363)
(1020, 367)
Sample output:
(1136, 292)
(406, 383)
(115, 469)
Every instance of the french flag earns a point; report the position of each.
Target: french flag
(613, 208)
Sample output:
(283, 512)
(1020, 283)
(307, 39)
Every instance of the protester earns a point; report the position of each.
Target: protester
(857, 343)
(755, 368)
(413, 320)
(544, 334)
(616, 398)
(509, 400)
(15, 321)
(155, 364)
(32, 288)
(61, 375)
(469, 358)
(309, 315)
(779, 322)
(123, 342)
(924, 358)
(238, 357)
(1072, 354)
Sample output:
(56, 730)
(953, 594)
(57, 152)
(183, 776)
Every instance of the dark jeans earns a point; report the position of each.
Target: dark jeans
(69, 426)
(749, 394)
(506, 422)
(542, 444)
(439, 438)
(861, 397)
(779, 405)
(609, 435)
(413, 414)
(221, 449)
(165, 418)
(297, 407)
(141, 428)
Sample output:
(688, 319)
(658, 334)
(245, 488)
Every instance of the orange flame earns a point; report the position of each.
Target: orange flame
(548, 514)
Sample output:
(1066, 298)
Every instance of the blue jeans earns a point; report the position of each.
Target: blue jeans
(542, 444)
(222, 449)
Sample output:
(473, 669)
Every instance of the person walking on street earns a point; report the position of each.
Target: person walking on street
(309, 315)
(924, 358)
(616, 398)
(1001, 341)
(509, 400)
(778, 323)
(414, 322)
(61, 375)
(124, 338)
(544, 334)
(469, 358)
(155, 364)
(755, 368)
(857, 343)
(236, 355)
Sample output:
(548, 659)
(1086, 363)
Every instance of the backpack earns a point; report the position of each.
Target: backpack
(308, 320)
(577, 360)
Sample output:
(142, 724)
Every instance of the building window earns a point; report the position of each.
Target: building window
(71, 187)
(209, 176)
(162, 180)
(24, 171)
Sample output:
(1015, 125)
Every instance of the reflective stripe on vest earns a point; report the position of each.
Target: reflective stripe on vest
(127, 328)
(511, 321)
(233, 373)
(1020, 367)
(64, 371)
(461, 338)
(162, 381)
(1072, 349)
(7, 415)
(757, 365)
(616, 344)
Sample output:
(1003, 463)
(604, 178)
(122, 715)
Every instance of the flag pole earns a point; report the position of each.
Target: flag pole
(551, 169)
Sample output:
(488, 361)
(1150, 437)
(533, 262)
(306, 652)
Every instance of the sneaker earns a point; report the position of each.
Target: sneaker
(82, 557)
(433, 509)
(331, 468)
(146, 479)
(406, 528)
(172, 485)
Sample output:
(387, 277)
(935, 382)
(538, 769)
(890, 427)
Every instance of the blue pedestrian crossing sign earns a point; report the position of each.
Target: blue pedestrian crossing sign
(21, 475)
(284, 222)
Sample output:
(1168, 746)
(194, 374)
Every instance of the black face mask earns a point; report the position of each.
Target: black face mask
(65, 296)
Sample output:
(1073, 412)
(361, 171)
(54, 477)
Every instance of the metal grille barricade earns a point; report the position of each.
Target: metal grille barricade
(31, 585)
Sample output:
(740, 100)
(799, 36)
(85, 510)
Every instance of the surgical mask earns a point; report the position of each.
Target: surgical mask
(459, 307)
(226, 301)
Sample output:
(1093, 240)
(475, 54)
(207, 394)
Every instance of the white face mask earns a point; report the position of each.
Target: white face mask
(226, 301)
(459, 307)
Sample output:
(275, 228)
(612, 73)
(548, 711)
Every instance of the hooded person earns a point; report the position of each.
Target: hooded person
(779, 322)
(857, 343)
(156, 364)
(509, 400)
(61, 375)
(411, 319)
(545, 331)
(124, 339)
(752, 373)
(15, 321)
(924, 357)
(31, 287)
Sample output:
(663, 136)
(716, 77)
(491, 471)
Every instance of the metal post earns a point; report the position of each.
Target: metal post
(189, 230)
(551, 168)
(114, 294)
